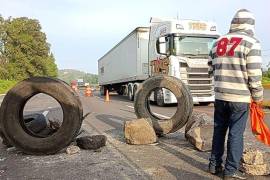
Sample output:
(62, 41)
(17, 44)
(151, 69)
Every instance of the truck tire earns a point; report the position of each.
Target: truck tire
(130, 94)
(135, 88)
(190, 104)
(159, 97)
(184, 103)
(13, 126)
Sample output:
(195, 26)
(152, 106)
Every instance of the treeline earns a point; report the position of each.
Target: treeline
(71, 74)
(24, 50)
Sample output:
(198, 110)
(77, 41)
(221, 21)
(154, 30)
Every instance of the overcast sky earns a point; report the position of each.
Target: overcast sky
(81, 31)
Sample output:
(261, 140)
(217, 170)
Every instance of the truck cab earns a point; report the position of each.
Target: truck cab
(180, 48)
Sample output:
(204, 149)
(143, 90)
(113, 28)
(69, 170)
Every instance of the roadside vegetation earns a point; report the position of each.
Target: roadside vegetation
(24, 51)
(68, 75)
(5, 85)
(266, 82)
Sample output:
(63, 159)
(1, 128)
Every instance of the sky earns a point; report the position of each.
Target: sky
(82, 31)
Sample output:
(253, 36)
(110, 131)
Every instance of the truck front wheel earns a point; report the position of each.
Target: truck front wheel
(159, 97)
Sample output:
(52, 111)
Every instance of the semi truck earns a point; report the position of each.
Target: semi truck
(171, 47)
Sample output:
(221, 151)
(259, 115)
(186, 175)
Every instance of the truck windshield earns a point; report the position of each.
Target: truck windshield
(192, 46)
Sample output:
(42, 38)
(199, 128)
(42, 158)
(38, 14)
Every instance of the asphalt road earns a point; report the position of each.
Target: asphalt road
(171, 158)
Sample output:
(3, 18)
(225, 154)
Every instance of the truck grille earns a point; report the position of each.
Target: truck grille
(198, 76)
(198, 80)
(198, 70)
(200, 88)
(207, 82)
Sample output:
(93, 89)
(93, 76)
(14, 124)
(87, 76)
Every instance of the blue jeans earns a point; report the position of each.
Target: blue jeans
(232, 116)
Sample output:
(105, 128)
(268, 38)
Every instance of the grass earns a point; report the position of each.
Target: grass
(266, 82)
(5, 85)
(266, 104)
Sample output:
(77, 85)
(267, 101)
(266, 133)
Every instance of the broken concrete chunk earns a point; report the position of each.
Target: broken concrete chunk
(72, 150)
(91, 142)
(198, 119)
(254, 157)
(139, 131)
(258, 170)
(256, 162)
(199, 131)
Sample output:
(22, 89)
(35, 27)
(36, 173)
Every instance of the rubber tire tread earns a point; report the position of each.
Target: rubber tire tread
(11, 116)
(184, 103)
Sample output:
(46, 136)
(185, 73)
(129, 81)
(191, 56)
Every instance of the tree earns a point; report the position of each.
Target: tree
(3, 70)
(26, 50)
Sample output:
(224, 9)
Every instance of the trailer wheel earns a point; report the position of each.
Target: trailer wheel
(130, 94)
(184, 103)
(135, 90)
(13, 125)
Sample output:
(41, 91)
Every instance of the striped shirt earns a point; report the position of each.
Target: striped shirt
(235, 61)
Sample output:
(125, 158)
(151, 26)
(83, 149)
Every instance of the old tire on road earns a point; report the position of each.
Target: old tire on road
(13, 126)
(184, 103)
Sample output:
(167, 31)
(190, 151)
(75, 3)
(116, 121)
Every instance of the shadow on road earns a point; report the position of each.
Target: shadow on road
(189, 160)
(182, 174)
(116, 122)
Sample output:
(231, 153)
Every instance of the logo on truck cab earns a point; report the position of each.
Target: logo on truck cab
(197, 26)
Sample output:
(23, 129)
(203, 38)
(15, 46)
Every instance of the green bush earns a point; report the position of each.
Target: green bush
(5, 85)
(266, 80)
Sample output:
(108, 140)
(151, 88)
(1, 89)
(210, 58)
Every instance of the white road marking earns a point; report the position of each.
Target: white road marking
(130, 106)
(161, 115)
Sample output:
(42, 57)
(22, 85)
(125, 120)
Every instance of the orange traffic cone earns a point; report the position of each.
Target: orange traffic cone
(107, 98)
(88, 92)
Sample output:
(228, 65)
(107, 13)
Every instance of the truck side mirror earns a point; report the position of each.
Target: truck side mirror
(161, 46)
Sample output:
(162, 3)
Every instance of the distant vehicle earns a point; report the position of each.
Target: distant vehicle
(173, 47)
(80, 83)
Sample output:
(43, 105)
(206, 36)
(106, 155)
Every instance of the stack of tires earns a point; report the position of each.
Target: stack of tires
(13, 127)
(184, 103)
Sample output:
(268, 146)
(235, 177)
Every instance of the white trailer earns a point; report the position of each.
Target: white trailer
(126, 65)
(173, 47)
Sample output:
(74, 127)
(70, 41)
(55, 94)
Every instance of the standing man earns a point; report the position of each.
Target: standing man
(235, 62)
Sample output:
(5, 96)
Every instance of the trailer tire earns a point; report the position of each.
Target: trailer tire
(12, 122)
(184, 103)
(130, 94)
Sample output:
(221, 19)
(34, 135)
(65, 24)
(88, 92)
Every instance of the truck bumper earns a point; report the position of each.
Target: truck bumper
(204, 99)
(169, 98)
